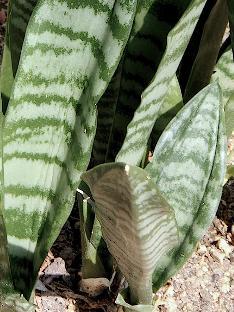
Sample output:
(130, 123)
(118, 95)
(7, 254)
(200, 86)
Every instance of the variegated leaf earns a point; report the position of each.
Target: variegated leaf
(6, 284)
(19, 12)
(153, 97)
(10, 301)
(172, 104)
(188, 167)
(229, 116)
(137, 223)
(71, 50)
(224, 73)
(153, 21)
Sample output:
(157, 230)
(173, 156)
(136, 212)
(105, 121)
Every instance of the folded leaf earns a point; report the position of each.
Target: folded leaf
(153, 97)
(71, 50)
(91, 263)
(188, 167)
(137, 223)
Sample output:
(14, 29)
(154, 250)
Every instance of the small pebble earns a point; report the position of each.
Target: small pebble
(217, 255)
(94, 286)
(225, 247)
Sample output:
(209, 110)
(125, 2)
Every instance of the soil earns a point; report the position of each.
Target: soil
(205, 283)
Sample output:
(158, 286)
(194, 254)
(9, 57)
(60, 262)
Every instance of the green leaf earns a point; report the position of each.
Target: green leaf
(106, 112)
(137, 223)
(16, 303)
(70, 53)
(229, 116)
(153, 97)
(172, 104)
(6, 284)
(224, 73)
(208, 51)
(133, 308)
(153, 21)
(188, 167)
(19, 12)
(91, 263)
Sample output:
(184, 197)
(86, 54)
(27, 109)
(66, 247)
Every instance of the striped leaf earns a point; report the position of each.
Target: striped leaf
(10, 301)
(231, 20)
(229, 122)
(137, 223)
(172, 104)
(188, 167)
(153, 21)
(153, 97)
(70, 52)
(6, 285)
(19, 12)
(224, 73)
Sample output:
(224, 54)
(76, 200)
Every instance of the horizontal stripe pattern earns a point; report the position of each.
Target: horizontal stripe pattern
(224, 73)
(188, 167)
(71, 50)
(6, 284)
(153, 97)
(137, 223)
(139, 63)
(19, 13)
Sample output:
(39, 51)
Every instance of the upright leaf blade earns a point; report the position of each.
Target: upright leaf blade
(10, 301)
(153, 21)
(224, 73)
(208, 51)
(66, 64)
(19, 13)
(6, 284)
(153, 97)
(172, 104)
(137, 223)
(188, 168)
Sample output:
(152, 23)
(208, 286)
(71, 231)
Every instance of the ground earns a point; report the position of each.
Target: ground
(205, 283)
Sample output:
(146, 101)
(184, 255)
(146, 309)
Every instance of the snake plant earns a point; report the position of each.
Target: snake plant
(99, 85)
